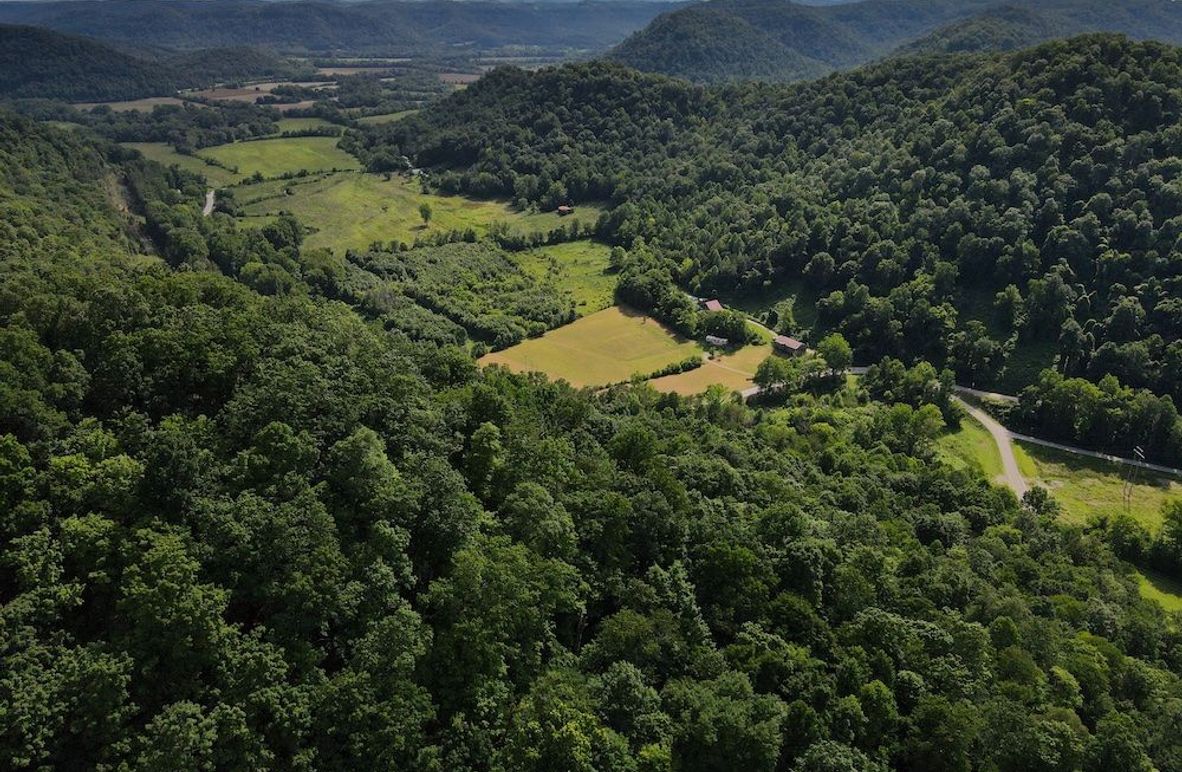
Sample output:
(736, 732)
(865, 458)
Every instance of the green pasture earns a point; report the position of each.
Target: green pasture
(373, 120)
(575, 267)
(352, 210)
(273, 157)
(164, 153)
(971, 446)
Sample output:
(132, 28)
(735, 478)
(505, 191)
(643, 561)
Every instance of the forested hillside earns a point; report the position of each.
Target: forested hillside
(41, 64)
(241, 527)
(963, 210)
(790, 41)
(385, 27)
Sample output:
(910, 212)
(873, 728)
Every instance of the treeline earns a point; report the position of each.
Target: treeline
(955, 209)
(246, 530)
(1105, 416)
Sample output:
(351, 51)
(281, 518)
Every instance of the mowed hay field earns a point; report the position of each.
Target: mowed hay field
(733, 371)
(163, 153)
(145, 105)
(351, 210)
(272, 157)
(606, 347)
(1088, 487)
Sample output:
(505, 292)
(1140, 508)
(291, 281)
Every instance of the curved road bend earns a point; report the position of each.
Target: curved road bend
(1003, 438)
(209, 199)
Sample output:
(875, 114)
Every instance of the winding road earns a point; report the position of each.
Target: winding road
(1005, 448)
(209, 201)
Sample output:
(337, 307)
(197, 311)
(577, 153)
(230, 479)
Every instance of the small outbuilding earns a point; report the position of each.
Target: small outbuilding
(712, 305)
(789, 346)
(714, 340)
(564, 210)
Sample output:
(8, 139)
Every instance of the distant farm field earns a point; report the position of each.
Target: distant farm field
(576, 267)
(351, 210)
(303, 124)
(371, 120)
(606, 347)
(142, 105)
(162, 152)
(273, 157)
(1087, 487)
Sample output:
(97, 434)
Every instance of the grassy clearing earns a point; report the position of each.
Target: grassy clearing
(1161, 588)
(145, 105)
(303, 124)
(273, 157)
(1087, 487)
(162, 152)
(804, 300)
(351, 210)
(371, 120)
(971, 446)
(733, 371)
(606, 347)
(576, 267)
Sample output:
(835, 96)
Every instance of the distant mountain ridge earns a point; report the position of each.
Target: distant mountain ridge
(790, 41)
(385, 27)
(41, 63)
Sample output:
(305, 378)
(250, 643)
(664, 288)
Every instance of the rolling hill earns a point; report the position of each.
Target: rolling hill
(384, 28)
(777, 40)
(41, 63)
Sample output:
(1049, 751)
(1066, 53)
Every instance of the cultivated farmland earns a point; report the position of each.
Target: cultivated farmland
(606, 347)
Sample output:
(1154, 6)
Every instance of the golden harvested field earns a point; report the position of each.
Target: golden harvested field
(606, 347)
(733, 371)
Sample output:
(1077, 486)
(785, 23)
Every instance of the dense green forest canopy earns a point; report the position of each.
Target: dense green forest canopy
(777, 40)
(953, 208)
(383, 27)
(242, 527)
(40, 63)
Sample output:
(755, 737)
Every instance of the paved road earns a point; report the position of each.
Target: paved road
(209, 199)
(1005, 447)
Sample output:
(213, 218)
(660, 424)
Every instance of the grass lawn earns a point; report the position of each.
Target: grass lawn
(273, 157)
(1087, 486)
(351, 210)
(162, 152)
(605, 347)
(733, 371)
(1161, 588)
(577, 267)
(371, 120)
(971, 446)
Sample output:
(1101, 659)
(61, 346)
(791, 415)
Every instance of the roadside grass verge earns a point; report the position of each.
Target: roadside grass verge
(1089, 487)
(971, 446)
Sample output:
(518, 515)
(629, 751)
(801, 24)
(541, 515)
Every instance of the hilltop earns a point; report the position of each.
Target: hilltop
(41, 63)
(777, 40)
